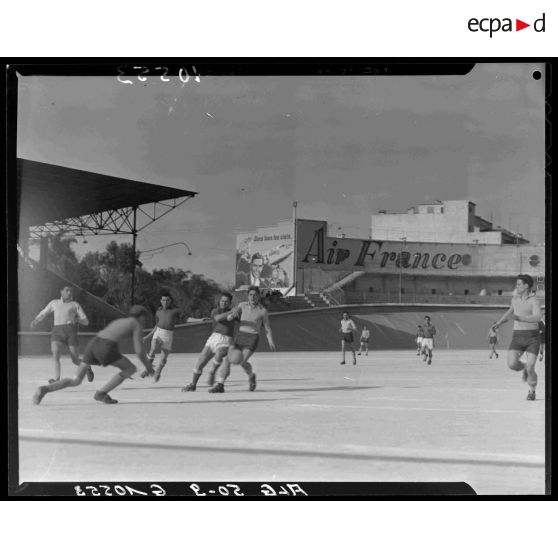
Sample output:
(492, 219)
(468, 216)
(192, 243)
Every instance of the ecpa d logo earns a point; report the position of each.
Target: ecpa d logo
(493, 25)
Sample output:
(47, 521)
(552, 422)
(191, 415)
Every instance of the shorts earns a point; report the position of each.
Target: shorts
(347, 337)
(492, 340)
(364, 340)
(526, 341)
(245, 340)
(217, 340)
(419, 341)
(165, 336)
(428, 342)
(66, 334)
(101, 351)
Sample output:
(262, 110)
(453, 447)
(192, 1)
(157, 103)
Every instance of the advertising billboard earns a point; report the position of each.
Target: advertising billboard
(265, 258)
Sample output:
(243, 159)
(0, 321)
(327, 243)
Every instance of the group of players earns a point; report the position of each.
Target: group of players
(225, 347)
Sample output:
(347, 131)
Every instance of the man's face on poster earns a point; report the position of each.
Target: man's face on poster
(257, 267)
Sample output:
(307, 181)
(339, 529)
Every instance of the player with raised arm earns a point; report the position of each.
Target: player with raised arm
(347, 339)
(253, 316)
(103, 350)
(67, 315)
(525, 311)
(218, 343)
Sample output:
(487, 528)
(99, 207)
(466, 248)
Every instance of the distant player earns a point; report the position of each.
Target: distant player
(525, 310)
(166, 318)
(347, 338)
(218, 343)
(67, 315)
(364, 338)
(428, 339)
(493, 340)
(420, 337)
(542, 332)
(253, 316)
(103, 350)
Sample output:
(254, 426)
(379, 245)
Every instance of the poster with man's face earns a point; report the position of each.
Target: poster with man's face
(265, 258)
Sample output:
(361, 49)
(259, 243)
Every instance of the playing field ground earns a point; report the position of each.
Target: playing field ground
(389, 418)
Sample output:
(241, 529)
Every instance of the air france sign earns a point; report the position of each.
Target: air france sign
(316, 249)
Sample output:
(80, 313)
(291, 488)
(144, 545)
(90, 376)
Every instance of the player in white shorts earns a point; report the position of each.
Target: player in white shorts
(217, 344)
(420, 338)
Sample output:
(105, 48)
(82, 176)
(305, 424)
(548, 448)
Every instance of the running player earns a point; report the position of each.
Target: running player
(103, 350)
(492, 340)
(67, 315)
(217, 345)
(252, 316)
(542, 331)
(364, 338)
(166, 318)
(428, 339)
(525, 310)
(420, 337)
(347, 339)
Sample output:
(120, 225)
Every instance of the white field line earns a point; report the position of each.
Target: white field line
(287, 446)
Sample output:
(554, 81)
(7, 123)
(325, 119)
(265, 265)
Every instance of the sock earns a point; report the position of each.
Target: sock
(195, 377)
(115, 381)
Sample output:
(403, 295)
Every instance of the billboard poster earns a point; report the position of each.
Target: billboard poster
(265, 258)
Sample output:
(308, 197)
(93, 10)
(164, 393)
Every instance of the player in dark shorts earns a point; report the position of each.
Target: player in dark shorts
(67, 315)
(103, 350)
(428, 339)
(525, 311)
(347, 338)
(493, 340)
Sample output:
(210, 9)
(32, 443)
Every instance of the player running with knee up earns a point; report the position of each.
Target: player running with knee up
(218, 343)
(253, 316)
(166, 318)
(428, 340)
(364, 338)
(347, 339)
(67, 315)
(525, 310)
(493, 340)
(103, 350)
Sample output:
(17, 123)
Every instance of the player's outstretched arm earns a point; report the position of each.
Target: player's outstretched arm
(81, 316)
(504, 318)
(48, 309)
(268, 332)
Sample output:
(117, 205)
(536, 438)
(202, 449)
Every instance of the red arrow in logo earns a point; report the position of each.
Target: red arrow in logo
(519, 25)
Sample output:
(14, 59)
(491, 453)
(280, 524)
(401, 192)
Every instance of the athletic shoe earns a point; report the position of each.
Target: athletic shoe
(531, 396)
(497, 355)
(252, 382)
(429, 361)
(425, 358)
(211, 379)
(39, 394)
(144, 374)
(217, 388)
(52, 380)
(358, 354)
(90, 375)
(104, 398)
(157, 375)
(524, 375)
(342, 362)
(189, 387)
(354, 360)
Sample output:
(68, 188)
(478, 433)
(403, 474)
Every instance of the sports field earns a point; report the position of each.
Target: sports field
(389, 418)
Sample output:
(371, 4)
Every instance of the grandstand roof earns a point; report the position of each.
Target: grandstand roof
(53, 193)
